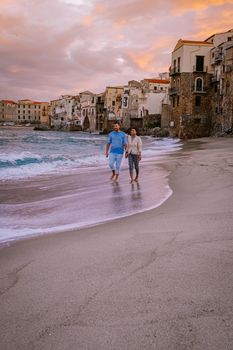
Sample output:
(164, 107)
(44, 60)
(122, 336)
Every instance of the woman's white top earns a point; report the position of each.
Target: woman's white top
(134, 144)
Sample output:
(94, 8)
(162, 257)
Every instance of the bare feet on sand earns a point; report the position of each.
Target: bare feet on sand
(113, 175)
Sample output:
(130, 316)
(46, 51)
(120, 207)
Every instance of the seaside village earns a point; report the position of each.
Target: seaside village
(193, 99)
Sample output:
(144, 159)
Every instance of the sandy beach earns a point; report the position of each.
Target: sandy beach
(162, 279)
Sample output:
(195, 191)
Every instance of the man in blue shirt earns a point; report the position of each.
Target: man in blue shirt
(117, 144)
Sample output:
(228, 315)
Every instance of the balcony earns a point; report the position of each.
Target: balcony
(199, 91)
(218, 57)
(174, 71)
(215, 79)
(200, 70)
(173, 91)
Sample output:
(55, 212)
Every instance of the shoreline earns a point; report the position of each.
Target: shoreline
(28, 198)
(159, 279)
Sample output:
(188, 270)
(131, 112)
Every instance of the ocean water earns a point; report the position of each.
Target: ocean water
(58, 181)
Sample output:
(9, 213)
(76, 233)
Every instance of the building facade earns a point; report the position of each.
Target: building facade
(24, 111)
(65, 112)
(112, 105)
(100, 113)
(8, 111)
(201, 86)
(88, 110)
(142, 103)
(190, 95)
(221, 61)
(32, 112)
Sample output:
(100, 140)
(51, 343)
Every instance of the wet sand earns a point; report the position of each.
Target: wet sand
(162, 279)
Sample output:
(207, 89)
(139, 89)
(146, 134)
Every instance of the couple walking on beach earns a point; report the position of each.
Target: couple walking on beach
(118, 143)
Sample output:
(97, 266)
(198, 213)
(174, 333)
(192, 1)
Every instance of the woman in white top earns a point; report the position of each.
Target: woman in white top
(133, 153)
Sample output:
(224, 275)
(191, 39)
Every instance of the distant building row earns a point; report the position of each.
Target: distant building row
(137, 104)
(133, 104)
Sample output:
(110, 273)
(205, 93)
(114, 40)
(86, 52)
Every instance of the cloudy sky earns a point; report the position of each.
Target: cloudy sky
(54, 47)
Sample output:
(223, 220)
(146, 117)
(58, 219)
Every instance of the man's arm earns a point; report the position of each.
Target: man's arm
(107, 149)
(108, 145)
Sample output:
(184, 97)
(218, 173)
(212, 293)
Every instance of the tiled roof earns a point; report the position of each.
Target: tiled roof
(8, 101)
(30, 102)
(182, 42)
(158, 81)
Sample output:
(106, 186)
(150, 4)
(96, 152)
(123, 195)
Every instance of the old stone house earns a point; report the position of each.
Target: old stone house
(190, 74)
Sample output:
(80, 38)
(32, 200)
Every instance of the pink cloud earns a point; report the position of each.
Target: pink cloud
(52, 47)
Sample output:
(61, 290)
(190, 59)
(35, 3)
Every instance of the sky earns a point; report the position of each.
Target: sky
(50, 48)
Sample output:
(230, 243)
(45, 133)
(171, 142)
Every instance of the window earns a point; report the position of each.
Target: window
(113, 103)
(29, 117)
(229, 38)
(198, 101)
(178, 83)
(199, 84)
(23, 106)
(174, 65)
(178, 101)
(173, 102)
(216, 88)
(212, 54)
(155, 88)
(18, 116)
(161, 88)
(178, 65)
(199, 63)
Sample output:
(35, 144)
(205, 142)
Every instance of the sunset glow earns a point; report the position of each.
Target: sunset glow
(52, 47)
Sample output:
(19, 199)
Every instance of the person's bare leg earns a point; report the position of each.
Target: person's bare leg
(113, 175)
(136, 161)
(131, 177)
(116, 178)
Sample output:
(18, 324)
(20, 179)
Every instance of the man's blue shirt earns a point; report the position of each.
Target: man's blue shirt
(117, 140)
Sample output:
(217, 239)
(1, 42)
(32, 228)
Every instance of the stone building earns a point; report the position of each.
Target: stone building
(130, 105)
(142, 103)
(228, 93)
(156, 84)
(201, 86)
(221, 61)
(65, 112)
(190, 95)
(100, 112)
(8, 111)
(88, 110)
(112, 105)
